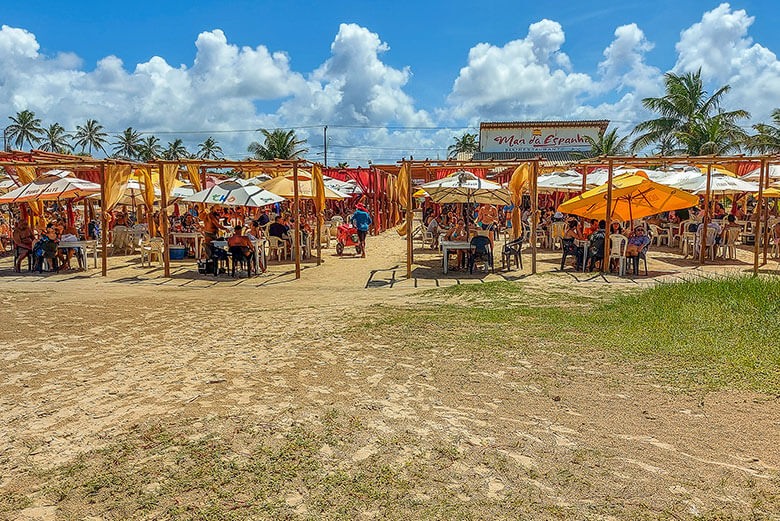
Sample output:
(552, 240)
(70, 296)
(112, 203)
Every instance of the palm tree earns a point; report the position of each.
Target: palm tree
(713, 136)
(685, 106)
(767, 138)
(175, 151)
(149, 148)
(25, 128)
(127, 144)
(209, 149)
(607, 144)
(55, 139)
(467, 143)
(91, 136)
(342, 165)
(278, 145)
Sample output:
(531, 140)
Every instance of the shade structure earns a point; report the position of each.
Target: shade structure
(774, 174)
(53, 185)
(284, 186)
(349, 187)
(420, 193)
(633, 196)
(181, 192)
(256, 180)
(567, 181)
(465, 187)
(719, 183)
(232, 193)
(771, 193)
(6, 185)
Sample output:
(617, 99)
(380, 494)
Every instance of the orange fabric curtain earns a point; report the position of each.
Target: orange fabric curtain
(318, 189)
(27, 174)
(169, 171)
(518, 180)
(148, 195)
(404, 197)
(115, 183)
(194, 175)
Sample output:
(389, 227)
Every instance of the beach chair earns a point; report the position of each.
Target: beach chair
(121, 240)
(152, 247)
(481, 249)
(712, 234)
(278, 246)
(512, 250)
(729, 246)
(237, 257)
(617, 250)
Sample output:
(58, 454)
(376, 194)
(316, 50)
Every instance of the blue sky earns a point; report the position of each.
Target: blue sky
(411, 84)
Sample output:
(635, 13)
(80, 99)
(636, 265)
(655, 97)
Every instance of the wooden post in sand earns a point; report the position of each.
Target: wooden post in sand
(103, 220)
(706, 219)
(409, 247)
(605, 261)
(534, 213)
(766, 214)
(297, 217)
(164, 221)
(757, 212)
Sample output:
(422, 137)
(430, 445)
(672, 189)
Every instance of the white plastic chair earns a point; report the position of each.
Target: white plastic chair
(617, 250)
(275, 244)
(152, 247)
(121, 239)
(557, 230)
(712, 234)
(729, 246)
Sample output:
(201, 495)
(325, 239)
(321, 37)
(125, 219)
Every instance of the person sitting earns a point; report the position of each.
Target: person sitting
(70, 234)
(731, 222)
(596, 245)
(594, 227)
(279, 230)
(572, 234)
(637, 242)
(254, 232)
(434, 228)
(264, 218)
(240, 247)
(46, 249)
(23, 237)
(458, 233)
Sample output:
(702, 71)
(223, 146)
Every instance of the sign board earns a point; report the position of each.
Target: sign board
(537, 139)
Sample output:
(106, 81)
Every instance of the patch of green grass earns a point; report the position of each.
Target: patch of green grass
(704, 334)
(12, 502)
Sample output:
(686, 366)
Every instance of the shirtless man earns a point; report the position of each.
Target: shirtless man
(211, 227)
(23, 242)
(488, 216)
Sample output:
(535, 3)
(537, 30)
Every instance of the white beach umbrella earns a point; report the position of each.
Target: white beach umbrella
(465, 187)
(720, 183)
(256, 180)
(53, 185)
(774, 174)
(568, 181)
(232, 193)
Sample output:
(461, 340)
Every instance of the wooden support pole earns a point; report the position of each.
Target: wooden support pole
(534, 213)
(605, 261)
(409, 247)
(706, 219)
(584, 178)
(766, 216)
(297, 217)
(757, 215)
(164, 222)
(103, 221)
(319, 233)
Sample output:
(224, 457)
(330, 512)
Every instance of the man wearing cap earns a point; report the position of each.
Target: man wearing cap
(362, 220)
(636, 243)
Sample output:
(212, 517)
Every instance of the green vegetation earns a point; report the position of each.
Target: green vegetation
(707, 334)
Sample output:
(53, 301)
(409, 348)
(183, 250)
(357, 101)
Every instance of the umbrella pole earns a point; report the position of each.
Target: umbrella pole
(103, 221)
(605, 260)
(757, 227)
(705, 221)
(296, 214)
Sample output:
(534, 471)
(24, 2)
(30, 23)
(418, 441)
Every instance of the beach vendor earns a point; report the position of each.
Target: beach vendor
(362, 220)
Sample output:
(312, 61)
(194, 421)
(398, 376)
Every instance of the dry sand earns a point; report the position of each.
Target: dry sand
(82, 359)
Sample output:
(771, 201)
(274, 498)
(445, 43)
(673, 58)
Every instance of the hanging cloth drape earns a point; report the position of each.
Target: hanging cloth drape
(148, 196)
(516, 183)
(25, 175)
(115, 184)
(404, 197)
(169, 171)
(318, 190)
(194, 175)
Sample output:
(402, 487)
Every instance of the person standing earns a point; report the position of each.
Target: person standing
(362, 220)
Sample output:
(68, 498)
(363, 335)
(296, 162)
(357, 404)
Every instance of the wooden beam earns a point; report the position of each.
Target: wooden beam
(297, 217)
(409, 247)
(534, 195)
(766, 217)
(164, 222)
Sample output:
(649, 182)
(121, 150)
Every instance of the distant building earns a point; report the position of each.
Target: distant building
(558, 142)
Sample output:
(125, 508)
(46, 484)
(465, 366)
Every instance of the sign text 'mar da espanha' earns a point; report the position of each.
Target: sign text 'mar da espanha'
(539, 136)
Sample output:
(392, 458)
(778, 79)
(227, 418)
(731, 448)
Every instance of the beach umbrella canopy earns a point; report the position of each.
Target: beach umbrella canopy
(181, 192)
(232, 193)
(633, 196)
(568, 181)
(754, 175)
(284, 186)
(6, 185)
(349, 187)
(256, 180)
(720, 183)
(465, 187)
(53, 185)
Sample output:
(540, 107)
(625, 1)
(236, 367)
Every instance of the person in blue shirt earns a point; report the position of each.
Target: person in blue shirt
(362, 220)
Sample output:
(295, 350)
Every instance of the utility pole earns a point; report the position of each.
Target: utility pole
(325, 140)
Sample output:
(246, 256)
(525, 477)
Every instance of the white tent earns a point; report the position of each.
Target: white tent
(232, 193)
(53, 185)
(720, 183)
(774, 174)
(465, 187)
